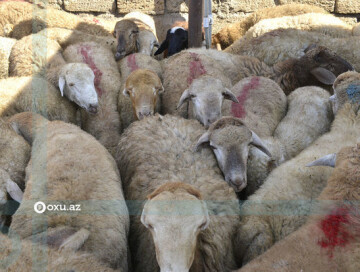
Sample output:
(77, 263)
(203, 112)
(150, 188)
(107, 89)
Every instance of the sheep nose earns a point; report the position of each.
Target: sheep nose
(93, 108)
(119, 55)
(237, 183)
(145, 113)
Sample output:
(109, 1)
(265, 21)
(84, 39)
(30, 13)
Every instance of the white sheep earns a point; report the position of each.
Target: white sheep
(91, 180)
(105, 124)
(155, 156)
(19, 94)
(285, 197)
(281, 44)
(5, 49)
(330, 238)
(22, 256)
(37, 55)
(321, 23)
(129, 106)
(317, 66)
(147, 39)
(202, 82)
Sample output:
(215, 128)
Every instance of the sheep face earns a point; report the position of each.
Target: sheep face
(126, 33)
(143, 88)
(176, 40)
(147, 42)
(76, 82)
(323, 64)
(230, 144)
(175, 220)
(207, 95)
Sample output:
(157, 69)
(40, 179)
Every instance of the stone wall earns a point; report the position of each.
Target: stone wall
(165, 12)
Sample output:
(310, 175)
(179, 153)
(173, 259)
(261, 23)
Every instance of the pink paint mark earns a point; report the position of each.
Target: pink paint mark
(238, 109)
(333, 229)
(196, 68)
(96, 21)
(84, 50)
(131, 62)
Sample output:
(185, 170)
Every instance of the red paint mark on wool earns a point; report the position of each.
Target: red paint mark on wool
(333, 229)
(84, 50)
(96, 21)
(196, 68)
(131, 62)
(238, 109)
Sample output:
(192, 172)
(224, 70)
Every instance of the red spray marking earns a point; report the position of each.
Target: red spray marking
(238, 109)
(131, 62)
(333, 228)
(196, 68)
(84, 50)
(96, 21)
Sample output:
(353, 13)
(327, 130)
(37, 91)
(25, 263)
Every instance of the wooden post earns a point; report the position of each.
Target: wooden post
(195, 23)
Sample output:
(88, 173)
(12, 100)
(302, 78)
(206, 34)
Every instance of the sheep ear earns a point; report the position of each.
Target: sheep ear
(323, 75)
(164, 45)
(62, 84)
(161, 89)
(142, 218)
(126, 92)
(256, 141)
(14, 190)
(207, 218)
(203, 139)
(328, 160)
(185, 96)
(229, 95)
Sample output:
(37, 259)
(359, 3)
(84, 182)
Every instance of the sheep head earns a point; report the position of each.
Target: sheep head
(175, 214)
(230, 141)
(76, 82)
(346, 89)
(322, 64)
(175, 41)
(147, 42)
(207, 95)
(126, 33)
(143, 88)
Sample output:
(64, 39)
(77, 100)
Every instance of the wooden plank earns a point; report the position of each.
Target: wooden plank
(195, 23)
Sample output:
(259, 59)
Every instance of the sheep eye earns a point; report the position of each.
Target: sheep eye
(71, 84)
(192, 96)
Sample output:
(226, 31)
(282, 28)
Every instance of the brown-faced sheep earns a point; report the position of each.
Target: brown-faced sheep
(321, 23)
(19, 94)
(280, 206)
(330, 239)
(126, 33)
(127, 66)
(290, 43)
(19, 19)
(147, 39)
(229, 34)
(185, 179)
(37, 55)
(6, 45)
(105, 125)
(22, 256)
(202, 82)
(318, 66)
(91, 179)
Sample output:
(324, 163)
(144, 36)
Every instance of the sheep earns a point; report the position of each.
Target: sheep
(142, 89)
(346, 87)
(91, 176)
(126, 33)
(323, 23)
(177, 174)
(35, 54)
(291, 181)
(14, 156)
(22, 256)
(318, 66)
(309, 116)
(5, 48)
(19, 19)
(105, 125)
(147, 39)
(230, 33)
(18, 94)
(329, 241)
(202, 81)
(290, 43)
